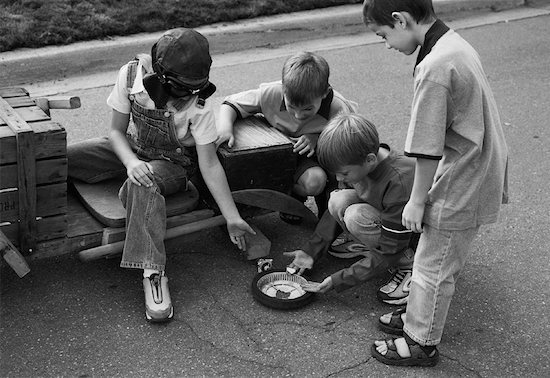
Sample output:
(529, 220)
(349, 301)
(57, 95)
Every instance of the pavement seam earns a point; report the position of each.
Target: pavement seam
(351, 367)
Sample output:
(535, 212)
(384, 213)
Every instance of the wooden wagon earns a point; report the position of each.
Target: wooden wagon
(43, 215)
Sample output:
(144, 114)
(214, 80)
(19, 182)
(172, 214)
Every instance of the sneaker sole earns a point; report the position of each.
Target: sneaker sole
(151, 319)
(397, 302)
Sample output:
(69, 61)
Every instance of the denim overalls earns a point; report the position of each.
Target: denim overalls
(153, 138)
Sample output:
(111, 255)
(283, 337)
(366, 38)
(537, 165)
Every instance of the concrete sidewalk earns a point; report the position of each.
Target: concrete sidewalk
(57, 63)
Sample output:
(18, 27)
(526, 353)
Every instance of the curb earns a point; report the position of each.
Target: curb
(27, 66)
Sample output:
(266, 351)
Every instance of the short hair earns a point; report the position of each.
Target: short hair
(305, 78)
(380, 11)
(347, 140)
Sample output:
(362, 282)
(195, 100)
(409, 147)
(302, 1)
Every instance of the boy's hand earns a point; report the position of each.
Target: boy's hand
(140, 173)
(237, 230)
(301, 262)
(225, 136)
(303, 145)
(316, 287)
(412, 216)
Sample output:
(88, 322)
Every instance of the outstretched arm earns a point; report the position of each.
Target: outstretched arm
(226, 119)
(216, 181)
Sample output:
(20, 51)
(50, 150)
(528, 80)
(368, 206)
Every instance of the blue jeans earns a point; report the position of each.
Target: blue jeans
(359, 218)
(94, 160)
(440, 256)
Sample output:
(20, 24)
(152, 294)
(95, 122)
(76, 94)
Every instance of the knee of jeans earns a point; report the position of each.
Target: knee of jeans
(357, 221)
(130, 190)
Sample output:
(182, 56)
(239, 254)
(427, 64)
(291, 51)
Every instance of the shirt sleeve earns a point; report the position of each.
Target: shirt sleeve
(427, 128)
(326, 231)
(118, 98)
(245, 103)
(203, 125)
(342, 105)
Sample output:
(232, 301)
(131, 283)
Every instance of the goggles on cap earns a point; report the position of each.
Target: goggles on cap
(178, 87)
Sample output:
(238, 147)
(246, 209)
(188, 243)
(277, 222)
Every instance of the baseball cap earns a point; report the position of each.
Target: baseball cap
(183, 56)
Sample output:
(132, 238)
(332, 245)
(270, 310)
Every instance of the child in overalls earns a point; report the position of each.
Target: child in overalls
(173, 131)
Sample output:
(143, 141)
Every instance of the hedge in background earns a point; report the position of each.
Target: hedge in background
(38, 23)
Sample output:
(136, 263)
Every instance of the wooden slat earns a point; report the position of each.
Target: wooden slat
(113, 249)
(26, 169)
(47, 172)
(59, 102)
(50, 248)
(116, 234)
(30, 114)
(50, 200)
(253, 133)
(50, 140)
(7, 92)
(13, 257)
(81, 222)
(18, 102)
(46, 228)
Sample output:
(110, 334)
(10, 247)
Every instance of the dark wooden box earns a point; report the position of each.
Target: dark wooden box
(33, 173)
(261, 157)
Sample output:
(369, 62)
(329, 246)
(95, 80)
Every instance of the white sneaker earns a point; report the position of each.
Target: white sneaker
(396, 290)
(158, 305)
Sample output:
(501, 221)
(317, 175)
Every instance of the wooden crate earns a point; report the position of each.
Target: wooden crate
(33, 174)
(261, 157)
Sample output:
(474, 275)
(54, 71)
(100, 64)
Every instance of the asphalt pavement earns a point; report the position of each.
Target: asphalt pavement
(67, 318)
(59, 64)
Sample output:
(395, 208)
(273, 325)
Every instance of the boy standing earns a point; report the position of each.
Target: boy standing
(461, 155)
(378, 185)
(299, 106)
(173, 131)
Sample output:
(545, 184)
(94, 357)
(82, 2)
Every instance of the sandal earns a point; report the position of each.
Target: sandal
(395, 325)
(401, 352)
(290, 218)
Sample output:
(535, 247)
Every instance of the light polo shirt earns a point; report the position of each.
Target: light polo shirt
(268, 99)
(194, 124)
(454, 119)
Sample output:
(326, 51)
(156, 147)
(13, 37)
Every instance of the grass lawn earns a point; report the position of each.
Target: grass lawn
(37, 23)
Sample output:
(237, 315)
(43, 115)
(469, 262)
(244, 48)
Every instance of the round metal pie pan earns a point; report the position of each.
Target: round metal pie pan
(280, 290)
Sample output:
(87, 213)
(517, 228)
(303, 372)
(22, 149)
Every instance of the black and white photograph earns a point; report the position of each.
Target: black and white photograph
(274, 188)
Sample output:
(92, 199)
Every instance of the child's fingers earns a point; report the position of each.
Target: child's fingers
(239, 241)
(311, 286)
(133, 179)
(249, 229)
